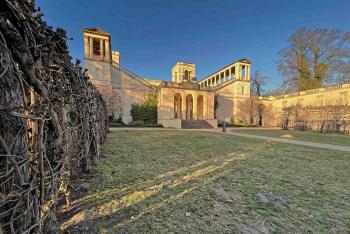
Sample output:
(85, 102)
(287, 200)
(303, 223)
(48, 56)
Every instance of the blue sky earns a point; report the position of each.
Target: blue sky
(152, 35)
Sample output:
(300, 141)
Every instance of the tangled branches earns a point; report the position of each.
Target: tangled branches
(52, 119)
(332, 117)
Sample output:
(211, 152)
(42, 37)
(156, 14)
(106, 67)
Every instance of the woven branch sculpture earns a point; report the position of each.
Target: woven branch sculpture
(52, 119)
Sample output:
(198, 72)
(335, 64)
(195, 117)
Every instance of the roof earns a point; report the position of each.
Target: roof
(96, 30)
(183, 62)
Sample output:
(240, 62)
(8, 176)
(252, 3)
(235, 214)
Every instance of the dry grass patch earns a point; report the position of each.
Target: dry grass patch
(173, 181)
(299, 135)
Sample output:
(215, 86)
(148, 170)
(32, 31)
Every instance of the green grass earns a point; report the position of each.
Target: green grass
(193, 182)
(299, 135)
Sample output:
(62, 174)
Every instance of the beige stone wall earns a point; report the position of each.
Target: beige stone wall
(116, 57)
(170, 123)
(99, 72)
(105, 76)
(130, 90)
(233, 97)
(166, 102)
(313, 98)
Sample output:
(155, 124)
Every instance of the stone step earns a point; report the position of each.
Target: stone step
(195, 124)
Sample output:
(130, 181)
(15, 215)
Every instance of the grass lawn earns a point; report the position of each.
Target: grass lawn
(193, 182)
(299, 135)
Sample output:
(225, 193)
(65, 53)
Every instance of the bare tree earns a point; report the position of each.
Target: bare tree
(113, 103)
(256, 106)
(314, 57)
(331, 117)
(257, 82)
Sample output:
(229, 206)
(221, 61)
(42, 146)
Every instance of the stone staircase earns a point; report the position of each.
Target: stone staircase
(132, 75)
(195, 124)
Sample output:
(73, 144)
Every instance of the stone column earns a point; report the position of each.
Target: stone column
(238, 72)
(184, 107)
(86, 47)
(229, 73)
(194, 106)
(90, 48)
(248, 72)
(108, 51)
(219, 81)
(101, 49)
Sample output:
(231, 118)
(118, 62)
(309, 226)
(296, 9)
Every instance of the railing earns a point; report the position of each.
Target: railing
(314, 91)
(185, 85)
(132, 75)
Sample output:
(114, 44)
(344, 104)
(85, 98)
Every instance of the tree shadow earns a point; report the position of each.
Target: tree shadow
(119, 207)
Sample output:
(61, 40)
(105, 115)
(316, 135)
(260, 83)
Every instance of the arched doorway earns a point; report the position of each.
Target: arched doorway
(200, 107)
(177, 106)
(189, 106)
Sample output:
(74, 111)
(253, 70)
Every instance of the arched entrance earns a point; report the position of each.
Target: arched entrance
(189, 106)
(200, 107)
(177, 106)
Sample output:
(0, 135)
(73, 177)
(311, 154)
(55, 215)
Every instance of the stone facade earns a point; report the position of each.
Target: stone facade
(184, 98)
(183, 72)
(314, 99)
(177, 102)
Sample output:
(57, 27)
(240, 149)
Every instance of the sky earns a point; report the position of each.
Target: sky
(152, 35)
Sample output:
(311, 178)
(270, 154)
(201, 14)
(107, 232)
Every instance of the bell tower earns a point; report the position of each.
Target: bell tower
(183, 72)
(98, 57)
(97, 45)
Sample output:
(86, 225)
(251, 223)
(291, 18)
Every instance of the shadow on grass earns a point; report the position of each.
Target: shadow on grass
(117, 207)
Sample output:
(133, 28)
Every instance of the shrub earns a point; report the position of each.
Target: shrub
(241, 123)
(138, 123)
(147, 112)
(115, 122)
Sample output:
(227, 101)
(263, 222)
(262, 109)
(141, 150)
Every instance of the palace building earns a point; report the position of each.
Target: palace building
(184, 100)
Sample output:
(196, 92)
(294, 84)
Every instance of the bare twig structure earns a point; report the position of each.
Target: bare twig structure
(52, 119)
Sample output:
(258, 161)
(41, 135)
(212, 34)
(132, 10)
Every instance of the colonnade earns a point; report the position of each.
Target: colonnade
(237, 71)
(189, 107)
(100, 51)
